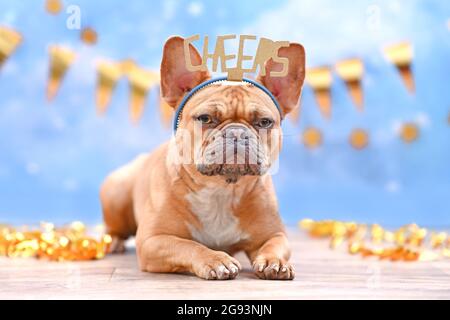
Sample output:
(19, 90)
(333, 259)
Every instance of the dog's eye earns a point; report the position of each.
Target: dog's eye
(204, 118)
(265, 123)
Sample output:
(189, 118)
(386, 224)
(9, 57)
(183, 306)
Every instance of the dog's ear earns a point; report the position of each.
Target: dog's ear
(176, 80)
(286, 89)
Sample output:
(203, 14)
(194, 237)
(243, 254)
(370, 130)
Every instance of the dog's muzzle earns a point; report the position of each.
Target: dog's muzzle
(233, 151)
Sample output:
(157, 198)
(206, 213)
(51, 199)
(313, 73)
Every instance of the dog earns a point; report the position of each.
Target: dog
(192, 216)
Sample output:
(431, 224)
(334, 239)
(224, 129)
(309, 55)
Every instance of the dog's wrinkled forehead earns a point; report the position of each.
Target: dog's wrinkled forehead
(231, 100)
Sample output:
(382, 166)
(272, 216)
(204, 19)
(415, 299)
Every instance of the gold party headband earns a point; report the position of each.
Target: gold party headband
(267, 49)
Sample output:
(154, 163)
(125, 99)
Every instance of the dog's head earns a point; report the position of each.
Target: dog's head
(230, 128)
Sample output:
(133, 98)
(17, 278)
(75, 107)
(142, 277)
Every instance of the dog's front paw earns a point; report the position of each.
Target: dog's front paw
(117, 245)
(273, 269)
(218, 266)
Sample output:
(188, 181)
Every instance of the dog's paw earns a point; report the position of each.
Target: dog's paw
(273, 269)
(219, 266)
(117, 245)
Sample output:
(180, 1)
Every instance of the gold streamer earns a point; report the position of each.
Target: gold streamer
(60, 60)
(9, 41)
(320, 80)
(408, 243)
(401, 56)
(140, 83)
(352, 71)
(107, 76)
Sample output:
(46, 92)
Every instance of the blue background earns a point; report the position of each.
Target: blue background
(53, 157)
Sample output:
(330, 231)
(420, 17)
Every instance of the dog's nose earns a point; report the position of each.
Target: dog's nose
(235, 133)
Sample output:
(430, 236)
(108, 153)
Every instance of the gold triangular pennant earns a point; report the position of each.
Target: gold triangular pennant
(352, 71)
(60, 60)
(401, 56)
(108, 74)
(9, 41)
(140, 83)
(320, 79)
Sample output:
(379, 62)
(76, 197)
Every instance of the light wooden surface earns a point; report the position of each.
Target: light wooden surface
(321, 274)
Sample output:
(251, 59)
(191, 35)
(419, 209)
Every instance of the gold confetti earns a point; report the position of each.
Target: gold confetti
(359, 139)
(312, 138)
(409, 132)
(438, 239)
(408, 243)
(64, 244)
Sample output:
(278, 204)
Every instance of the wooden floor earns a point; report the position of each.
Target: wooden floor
(321, 274)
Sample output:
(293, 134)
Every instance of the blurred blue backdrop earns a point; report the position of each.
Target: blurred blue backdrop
(53, 157)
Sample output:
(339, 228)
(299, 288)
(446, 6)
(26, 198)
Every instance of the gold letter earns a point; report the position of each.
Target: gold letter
(284, 61)
(263, 53)
(207, 55)
(187, 54)
(220, 52)
(241, 56)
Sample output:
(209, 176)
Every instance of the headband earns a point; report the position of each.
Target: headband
(213, 81)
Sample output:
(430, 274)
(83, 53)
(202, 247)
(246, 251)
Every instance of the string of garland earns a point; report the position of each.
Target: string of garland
(408, 243)
(70, 243)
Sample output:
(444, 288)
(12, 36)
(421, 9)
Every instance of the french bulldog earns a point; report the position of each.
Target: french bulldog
(191, 216)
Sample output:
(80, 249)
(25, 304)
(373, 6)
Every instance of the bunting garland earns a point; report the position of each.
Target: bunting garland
(9, 41)
(61, 59)
(140, 82)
